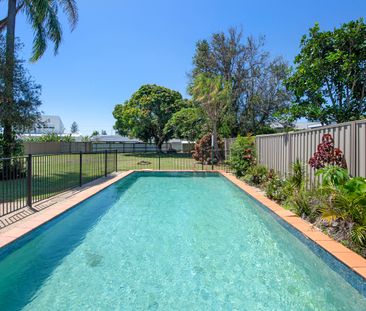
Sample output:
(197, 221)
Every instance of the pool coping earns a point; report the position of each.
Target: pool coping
(346, 256)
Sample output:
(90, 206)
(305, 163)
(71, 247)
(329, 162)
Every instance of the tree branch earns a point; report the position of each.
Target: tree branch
(4, 21)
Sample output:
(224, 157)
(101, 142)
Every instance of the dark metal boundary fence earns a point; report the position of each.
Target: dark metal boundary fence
(30, 179)
(173, 161)
(33, 178)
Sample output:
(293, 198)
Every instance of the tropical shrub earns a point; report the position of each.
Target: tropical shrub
(327, 154)
(297, 177)
(276, 189)
(51, 137)
(256, 175)
(203, 150)
(306, 203)
(333, 176)
(242, 154)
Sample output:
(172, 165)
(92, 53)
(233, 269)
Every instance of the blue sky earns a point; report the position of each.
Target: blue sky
(119, 45)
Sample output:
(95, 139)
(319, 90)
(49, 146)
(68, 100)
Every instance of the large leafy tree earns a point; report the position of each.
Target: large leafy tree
(188, 123)
(257, 88)
(42, 15)
(329, 80)
(24, 113)
(147, 112)
(213, 94)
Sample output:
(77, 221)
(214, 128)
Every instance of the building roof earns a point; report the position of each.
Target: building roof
(49, 124)
(113, 138)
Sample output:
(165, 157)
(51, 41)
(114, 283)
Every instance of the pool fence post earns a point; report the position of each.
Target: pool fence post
(116, 160)
(81, 169)
(212, 152)
(105, 163)
(29, 180)
(159, 159)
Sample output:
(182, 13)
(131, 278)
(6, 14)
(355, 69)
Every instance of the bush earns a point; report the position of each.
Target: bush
(326, 154)
(276, 189)
(242, 154)
(256, 175)
(203, 150)
(297, 177)
(306, 204)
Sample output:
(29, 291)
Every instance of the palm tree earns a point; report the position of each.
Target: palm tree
(42, 15)
(213, 93)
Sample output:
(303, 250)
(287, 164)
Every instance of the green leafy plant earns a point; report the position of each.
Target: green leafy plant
(242, 154)
(51, 137)
(306, 203)
(256, 175)
(276, 189)
(347, 202)
(297, 178)
(333, 175)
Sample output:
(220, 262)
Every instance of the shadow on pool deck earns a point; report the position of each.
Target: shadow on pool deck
(24, 212)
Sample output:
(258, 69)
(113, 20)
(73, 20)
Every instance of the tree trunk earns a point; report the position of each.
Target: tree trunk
(8, 147)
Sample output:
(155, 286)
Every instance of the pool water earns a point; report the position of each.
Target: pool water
(169, 241)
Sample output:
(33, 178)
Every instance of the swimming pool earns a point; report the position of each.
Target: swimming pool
(169, 241)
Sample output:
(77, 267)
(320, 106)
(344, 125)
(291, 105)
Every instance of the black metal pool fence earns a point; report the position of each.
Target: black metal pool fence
(29, 179)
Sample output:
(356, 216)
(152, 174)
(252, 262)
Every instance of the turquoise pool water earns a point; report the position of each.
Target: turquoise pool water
(169, 241)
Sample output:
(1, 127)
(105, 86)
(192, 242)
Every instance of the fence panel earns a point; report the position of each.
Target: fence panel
(56, 147)
(27, 180)
(13, 184)
(279, 151)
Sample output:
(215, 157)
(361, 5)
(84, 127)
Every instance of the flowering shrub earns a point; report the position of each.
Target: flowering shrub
(242, 154)
(326, 154)
(203, 150)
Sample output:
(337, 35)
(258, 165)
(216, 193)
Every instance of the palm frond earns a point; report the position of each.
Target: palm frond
(70, 9)
(358, 234)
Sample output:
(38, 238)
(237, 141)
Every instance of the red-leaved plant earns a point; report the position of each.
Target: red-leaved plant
(326, 154)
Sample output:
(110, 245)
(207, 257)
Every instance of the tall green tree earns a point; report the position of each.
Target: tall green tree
(24, 114)
(213, 94)
(43, 18)
(256, 79)
(329, 80)
(147, 112)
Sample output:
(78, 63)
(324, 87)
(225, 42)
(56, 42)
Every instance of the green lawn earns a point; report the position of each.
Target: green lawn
(178, 161)
(53, 174)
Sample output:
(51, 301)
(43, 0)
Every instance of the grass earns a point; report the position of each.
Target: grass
(178, 161)
(52, 174)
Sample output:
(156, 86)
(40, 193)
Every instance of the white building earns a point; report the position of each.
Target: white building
(49, 125)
